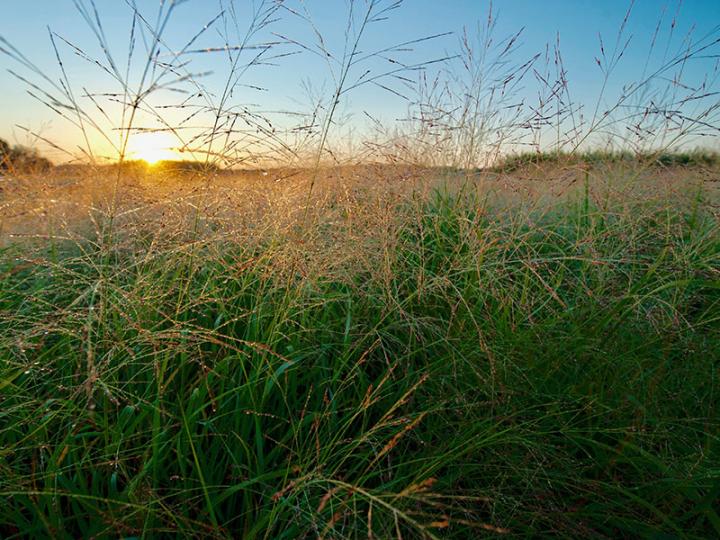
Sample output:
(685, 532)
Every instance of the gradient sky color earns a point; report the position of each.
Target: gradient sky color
(578, 23)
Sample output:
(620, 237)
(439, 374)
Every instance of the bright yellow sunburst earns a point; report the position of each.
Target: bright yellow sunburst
(152, 147)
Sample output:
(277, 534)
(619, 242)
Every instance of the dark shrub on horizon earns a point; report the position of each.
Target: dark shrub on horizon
(22, 159)
(185, 167)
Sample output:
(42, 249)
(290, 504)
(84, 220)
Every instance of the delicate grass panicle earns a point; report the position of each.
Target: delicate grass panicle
(437, 336)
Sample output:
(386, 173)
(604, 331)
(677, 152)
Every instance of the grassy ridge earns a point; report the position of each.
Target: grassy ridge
(692, 158)
(542, 374)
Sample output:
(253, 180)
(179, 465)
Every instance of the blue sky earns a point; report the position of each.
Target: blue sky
(578, 23)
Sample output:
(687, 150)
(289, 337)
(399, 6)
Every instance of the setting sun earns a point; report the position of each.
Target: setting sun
(152, 147)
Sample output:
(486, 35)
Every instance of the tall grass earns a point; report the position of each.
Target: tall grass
(364, 351)
(542, 374)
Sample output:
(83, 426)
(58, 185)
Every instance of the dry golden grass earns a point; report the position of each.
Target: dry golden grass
(351, 200)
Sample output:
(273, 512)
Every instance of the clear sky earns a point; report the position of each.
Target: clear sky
(578, 22)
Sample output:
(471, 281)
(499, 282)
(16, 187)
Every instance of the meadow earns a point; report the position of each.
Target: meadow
(438, 359)
(525, 345)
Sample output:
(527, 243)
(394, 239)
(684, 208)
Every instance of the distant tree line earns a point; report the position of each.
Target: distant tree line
(696, 158)
(186, 167)
(20, 158)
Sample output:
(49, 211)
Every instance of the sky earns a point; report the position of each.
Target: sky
(291, 83)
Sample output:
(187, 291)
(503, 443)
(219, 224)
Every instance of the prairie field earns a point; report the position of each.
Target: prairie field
(423, 354)
(499, 319)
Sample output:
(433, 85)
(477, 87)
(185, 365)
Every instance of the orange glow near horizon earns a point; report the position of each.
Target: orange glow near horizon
(152, 147)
